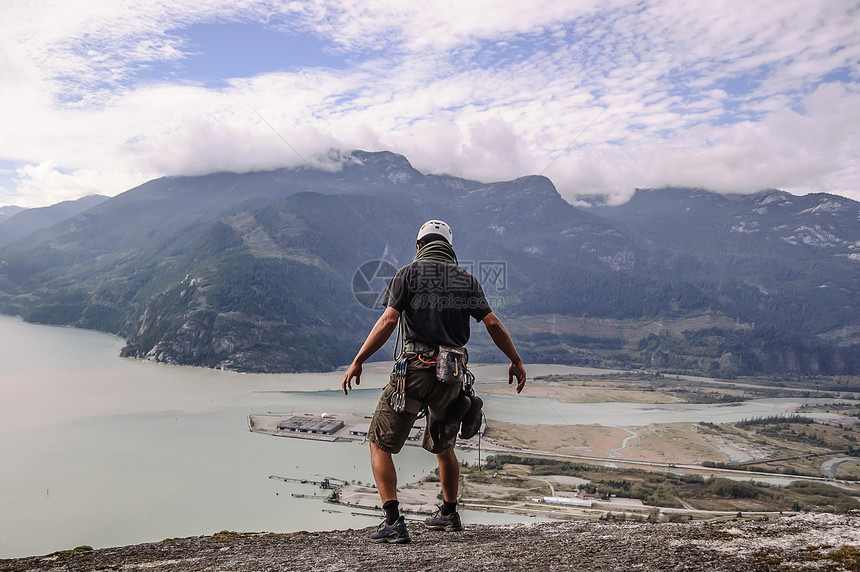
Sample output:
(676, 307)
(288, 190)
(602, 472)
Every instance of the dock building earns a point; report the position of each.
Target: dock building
(312, 425)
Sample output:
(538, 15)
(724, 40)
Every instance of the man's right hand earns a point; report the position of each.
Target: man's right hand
(517, 370)
(377, 337)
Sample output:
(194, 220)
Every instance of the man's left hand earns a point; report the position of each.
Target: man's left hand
(516, 370)
(354, 370)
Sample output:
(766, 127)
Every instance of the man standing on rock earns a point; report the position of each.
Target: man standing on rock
(434, 298)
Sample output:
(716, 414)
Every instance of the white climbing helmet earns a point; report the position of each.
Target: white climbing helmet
(436, 227)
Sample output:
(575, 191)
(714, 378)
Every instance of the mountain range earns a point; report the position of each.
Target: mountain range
(17, 222)
(272, 271)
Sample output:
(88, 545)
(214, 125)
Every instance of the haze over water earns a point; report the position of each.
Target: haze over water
(105, 451)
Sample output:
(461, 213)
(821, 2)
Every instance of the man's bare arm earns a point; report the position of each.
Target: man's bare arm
(377, 337)
(503, 341)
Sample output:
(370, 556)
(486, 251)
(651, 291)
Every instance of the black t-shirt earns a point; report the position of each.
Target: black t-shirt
(436, 299)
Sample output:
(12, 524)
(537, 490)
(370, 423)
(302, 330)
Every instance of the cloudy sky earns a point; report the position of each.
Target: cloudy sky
(600, 96)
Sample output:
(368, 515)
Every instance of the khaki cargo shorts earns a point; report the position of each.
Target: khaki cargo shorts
(389, 429)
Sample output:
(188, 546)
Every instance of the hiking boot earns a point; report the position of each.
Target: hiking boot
(449, 523)
(393, 533)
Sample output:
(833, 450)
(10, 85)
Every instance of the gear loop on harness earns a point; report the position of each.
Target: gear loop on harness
(398, 379)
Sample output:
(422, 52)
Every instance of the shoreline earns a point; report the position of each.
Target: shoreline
(266, 424)
(422, 497)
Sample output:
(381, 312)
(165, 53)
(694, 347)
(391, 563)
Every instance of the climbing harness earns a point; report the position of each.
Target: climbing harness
(442, 251)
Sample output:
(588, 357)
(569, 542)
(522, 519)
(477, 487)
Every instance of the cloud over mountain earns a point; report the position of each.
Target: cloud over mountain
(602, 97)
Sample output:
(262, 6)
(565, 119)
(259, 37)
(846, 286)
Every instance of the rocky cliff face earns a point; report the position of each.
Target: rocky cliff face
(802, 542)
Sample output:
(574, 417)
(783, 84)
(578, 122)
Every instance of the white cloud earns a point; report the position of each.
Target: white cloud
(44, 183)
(810, 152)
(722, 95)
(199, 147)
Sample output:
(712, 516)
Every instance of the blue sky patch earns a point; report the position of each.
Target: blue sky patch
(8, 174)
(219, 52)
(839, 75)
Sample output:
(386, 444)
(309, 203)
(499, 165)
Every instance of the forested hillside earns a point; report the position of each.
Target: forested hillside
(257, 271)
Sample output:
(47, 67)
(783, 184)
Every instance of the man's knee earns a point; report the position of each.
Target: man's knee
(448, 456)
(378, 452)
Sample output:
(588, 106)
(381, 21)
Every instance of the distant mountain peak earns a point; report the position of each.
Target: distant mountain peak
(376, 157)
(8, 211)
(829, 204)
(775, 197)
(537, 180)
(381, 159)
(26, 221)
(392, 167)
